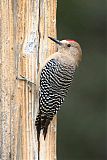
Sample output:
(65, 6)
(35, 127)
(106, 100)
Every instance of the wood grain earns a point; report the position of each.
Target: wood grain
(24, 29)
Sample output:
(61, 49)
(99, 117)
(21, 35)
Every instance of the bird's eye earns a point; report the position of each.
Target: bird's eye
(68, 45)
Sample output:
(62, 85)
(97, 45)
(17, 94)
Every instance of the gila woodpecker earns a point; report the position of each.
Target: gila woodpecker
(55, 79)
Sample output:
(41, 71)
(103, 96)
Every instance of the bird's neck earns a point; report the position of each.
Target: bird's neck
(66, 59)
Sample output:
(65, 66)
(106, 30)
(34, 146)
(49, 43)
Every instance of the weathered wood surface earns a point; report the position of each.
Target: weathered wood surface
(24, 28)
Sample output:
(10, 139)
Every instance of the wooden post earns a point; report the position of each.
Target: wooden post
(24, 29)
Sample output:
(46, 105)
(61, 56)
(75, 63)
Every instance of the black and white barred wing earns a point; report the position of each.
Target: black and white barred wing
(55, 80)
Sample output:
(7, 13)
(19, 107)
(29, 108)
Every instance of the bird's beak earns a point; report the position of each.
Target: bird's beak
(55, 40)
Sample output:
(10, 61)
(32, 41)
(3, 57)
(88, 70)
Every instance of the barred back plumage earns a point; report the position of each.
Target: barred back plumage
(55, 80)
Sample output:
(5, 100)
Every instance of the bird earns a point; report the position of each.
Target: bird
(55, 79)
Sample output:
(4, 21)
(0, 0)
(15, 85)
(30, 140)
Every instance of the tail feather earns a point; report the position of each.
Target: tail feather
(42, 123)
(47, 122)
(38, 126)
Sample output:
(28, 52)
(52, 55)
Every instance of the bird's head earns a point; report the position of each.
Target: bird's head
(70, 47)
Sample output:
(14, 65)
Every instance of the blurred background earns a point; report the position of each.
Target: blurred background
(82, 118)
